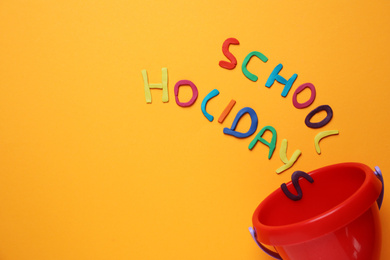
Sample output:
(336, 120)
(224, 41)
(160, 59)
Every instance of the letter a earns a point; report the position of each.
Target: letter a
(259, 138)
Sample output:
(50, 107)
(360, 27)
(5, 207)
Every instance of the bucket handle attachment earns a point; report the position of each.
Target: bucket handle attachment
(378, 174)
(262, 247)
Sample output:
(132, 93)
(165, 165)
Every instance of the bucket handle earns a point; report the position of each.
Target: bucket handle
(378, 174)
(262, 247)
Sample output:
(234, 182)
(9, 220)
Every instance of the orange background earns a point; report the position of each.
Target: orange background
(88, 170)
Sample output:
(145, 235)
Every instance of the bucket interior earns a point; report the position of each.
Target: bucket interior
(329, 189)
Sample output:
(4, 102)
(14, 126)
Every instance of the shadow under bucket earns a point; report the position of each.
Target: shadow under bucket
(337, 217)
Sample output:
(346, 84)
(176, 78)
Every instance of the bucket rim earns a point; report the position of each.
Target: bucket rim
(328, 221)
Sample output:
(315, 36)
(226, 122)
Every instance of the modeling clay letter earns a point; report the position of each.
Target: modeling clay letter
(163, 86)
(225, 49)
(259, 137)
(299, 90)
(252, 129)
(283, 156)
(226, 111)
(194, 92)
(323, 122)
(246, 61)
(275, 76)
(209, 96)
(295, 181)
(322, 135)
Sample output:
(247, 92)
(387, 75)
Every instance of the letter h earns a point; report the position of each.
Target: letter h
(163, 86)
(276, 77)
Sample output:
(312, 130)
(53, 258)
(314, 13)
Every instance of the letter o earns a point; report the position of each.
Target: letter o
(323, 122)
(299, 90)
(194, 92)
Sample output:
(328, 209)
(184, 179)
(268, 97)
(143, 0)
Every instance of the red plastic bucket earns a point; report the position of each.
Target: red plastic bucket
(337, 217)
